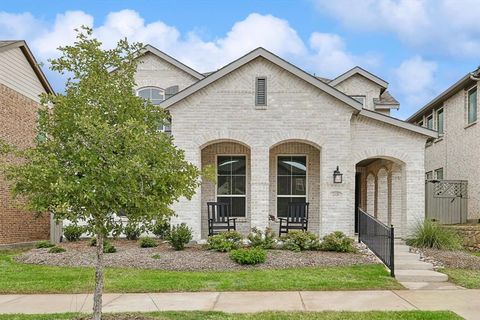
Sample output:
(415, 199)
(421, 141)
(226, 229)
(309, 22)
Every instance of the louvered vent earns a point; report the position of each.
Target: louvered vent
(261, 92)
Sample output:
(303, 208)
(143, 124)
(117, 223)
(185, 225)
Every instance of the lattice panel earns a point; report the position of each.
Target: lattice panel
(445, 189)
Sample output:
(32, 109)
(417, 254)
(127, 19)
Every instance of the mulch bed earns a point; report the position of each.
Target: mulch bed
(126, 316)
(193, 258)
(451, 259)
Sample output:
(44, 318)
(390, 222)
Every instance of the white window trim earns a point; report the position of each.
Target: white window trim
(276, 180)
(246, 181)
(467, 105)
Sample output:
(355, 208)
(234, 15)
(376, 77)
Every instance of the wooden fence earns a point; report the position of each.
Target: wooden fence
(446, 201)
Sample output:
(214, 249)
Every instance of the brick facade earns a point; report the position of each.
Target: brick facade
(17, 122)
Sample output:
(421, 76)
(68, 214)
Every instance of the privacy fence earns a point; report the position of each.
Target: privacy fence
(446, 201)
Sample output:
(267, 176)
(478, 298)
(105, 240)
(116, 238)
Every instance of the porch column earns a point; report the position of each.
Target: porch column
(259, 186)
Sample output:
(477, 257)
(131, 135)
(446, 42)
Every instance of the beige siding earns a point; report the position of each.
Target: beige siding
(17, 74)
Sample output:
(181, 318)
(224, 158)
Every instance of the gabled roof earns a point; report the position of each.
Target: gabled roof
(170, 59)
(438, 100)
(399, 123)
(12, 44)
(261, 52)
(357, 70)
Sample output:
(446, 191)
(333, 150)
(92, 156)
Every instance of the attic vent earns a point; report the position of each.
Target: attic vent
(261, 91)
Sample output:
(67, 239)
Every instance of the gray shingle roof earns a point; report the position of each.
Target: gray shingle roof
(386, 99)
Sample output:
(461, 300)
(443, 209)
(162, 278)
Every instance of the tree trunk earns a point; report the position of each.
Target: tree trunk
(97, 297)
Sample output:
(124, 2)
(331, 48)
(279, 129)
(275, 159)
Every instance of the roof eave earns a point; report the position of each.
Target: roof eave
(370, 76)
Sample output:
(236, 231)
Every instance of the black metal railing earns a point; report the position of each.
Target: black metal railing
(378, 237)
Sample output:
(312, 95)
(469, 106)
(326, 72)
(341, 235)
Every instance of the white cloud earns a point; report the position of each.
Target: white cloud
(415, 80)
(447, 26)
(325, 54)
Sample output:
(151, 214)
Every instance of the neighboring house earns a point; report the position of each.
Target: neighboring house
(21, 83)
(455, 155)
(276, 134)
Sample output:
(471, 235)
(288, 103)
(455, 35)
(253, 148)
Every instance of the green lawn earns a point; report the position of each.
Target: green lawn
(23, 278)
(197, 315)
(464, 277)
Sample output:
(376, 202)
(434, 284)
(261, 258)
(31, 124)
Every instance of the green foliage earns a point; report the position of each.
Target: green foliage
(300, 240)
(430, 234)
(44, 244)
(337, 241)
(160, 228)
(132, 231)
(102, 152)
(225, 241)
(108, 247)
(248, 255)
(179, 236)
(156, 256)
(264, 240)
(73, 232)
(56, 249)
(93, 242)
(146, 242)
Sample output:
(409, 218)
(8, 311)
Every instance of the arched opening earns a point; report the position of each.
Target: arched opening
(294, 176)
(379, 190)
(230, 161)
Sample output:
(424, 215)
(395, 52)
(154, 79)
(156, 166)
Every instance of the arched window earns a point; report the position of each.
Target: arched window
(154, 94)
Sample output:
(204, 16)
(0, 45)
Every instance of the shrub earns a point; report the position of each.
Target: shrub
(93, 242)
(430, 234)
(264, 240)
(146, 242)
(337, 241)
(156, 256)
(132, 231)
(248, 255)
(225, 241)
(73, 232)
(160, 229)
(108, 247)
(300, 241)
(179, 236)
(56, 250)
(44, 244)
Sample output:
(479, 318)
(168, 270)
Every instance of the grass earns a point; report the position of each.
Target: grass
(328, 315)
(24, 278)
(464, 277)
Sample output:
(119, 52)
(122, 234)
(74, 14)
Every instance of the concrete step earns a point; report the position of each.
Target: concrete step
(413, 265)
(402, 248)
(406, 256)
(420, 276)
(399, 241)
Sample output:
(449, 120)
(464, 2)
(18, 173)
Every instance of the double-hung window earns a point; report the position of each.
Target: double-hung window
(155, 96)
(472, 105)
(232, 182)
(430, 121)
(439, 174)
(291, 182)
(440, 121)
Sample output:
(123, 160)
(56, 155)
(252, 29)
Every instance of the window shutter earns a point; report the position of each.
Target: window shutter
(261, 92)
(170, 91)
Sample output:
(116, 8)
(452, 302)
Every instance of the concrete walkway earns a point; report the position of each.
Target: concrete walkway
(463, 302)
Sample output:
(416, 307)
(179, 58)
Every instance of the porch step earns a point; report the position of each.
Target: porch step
(406, 256)
(420, 276)
(413, 265)
(402, 248)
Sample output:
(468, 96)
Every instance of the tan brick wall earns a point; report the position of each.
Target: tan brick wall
(17, 122)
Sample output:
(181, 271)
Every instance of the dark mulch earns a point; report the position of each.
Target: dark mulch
(451, 259)
(193, 258)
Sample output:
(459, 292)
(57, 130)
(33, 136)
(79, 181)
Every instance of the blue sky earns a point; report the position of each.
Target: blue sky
(419, 46)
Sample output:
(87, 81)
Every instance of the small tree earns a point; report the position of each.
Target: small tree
(99, 150)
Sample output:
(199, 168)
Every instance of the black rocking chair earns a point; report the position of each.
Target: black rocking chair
(219, 218)
(297, 218)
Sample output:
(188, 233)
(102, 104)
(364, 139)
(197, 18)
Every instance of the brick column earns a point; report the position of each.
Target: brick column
(259, 186)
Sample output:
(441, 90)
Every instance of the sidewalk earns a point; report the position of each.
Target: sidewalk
(463, 302)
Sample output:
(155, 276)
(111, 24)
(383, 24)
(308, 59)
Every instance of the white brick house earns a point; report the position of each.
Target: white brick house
(285, 142)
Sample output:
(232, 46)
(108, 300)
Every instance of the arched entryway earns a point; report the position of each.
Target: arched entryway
(294, 176)
(380, 190)
(230, 161)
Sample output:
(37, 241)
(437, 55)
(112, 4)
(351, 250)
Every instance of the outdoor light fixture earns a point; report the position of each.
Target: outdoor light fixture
(337, 176)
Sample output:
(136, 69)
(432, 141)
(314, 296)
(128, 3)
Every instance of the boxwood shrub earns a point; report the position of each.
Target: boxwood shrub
(249, 255)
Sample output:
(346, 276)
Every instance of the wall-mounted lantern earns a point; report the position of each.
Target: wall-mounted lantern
(337, 176)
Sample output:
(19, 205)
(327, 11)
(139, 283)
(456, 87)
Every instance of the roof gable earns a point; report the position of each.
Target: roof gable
(261, 52)
(357, 70)
(173, 61)
(22, 45)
